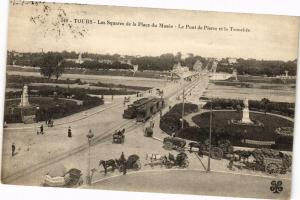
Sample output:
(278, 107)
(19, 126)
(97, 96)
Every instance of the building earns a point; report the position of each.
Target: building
(79, 60)
(197, 66)
(231, 60)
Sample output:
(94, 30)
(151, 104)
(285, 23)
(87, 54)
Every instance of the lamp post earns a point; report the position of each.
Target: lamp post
(209, 147)
(89, 136)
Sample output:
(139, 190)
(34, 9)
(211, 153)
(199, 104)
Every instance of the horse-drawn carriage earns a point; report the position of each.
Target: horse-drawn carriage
(148, 131)
(218, 150)
(180, 160)
(72, 178)
(119, 137)
(174, 143)
(270, 161)
(132, 162)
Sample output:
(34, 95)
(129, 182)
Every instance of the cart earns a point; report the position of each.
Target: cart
(174, 143)
(119, 137)
(148, 132)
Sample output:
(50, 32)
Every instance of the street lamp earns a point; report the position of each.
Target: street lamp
(89, 136)
(209, 147)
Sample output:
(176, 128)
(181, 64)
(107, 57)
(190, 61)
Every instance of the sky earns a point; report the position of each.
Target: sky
(267, 37)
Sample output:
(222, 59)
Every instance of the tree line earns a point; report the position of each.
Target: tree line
(66, 59)
(259, 67)
(54, 63)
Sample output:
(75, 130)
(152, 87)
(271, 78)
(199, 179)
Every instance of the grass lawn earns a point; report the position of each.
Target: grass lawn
(221, 118)
(48, 108)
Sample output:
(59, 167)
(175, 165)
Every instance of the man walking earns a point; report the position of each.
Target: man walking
(42, 129)
(152, 123)
(13, 149)
(69, 132)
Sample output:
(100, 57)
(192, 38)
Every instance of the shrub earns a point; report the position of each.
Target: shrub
(282, 108)
(171, 121)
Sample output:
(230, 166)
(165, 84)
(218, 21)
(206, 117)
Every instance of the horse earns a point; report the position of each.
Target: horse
(121, 132)
(243, 155)
(108, 163)
(156, 158)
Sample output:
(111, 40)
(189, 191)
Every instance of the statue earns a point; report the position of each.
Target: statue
(246, 103)
(246, 118)
(24, 97)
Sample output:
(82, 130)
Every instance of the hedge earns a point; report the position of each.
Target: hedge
(282, 108)
(171, 121)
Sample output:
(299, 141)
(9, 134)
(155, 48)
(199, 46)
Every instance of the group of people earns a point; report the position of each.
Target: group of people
(42, 131)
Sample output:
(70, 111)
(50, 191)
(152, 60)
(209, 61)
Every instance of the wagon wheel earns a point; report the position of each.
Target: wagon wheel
(137, 165)
(230, 149)
(273, 168)
(185, 164)
(80, 181)
(216, 153)
(179, 149)
(168, 146)
(168, 164)
(223, 147)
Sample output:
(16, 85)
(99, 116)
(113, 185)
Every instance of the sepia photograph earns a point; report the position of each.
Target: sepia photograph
(152, 100)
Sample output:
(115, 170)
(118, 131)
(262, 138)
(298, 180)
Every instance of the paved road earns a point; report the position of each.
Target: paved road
(196, 182)
(38, 151)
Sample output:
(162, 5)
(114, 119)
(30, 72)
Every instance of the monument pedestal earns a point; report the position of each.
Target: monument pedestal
(246, 121)
(28, 115)
(246, 118)
(27, 111)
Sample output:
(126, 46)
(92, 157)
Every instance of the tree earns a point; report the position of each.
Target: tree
(58, 70)
(51, 65)
(265, 102)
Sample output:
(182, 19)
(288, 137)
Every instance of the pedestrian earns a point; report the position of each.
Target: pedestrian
(151, 123)
(69, 132)
(42, 129)
(13, 149)
(160, 113)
